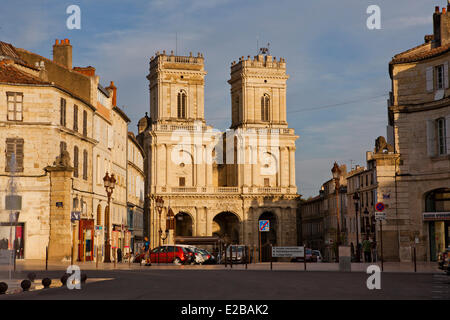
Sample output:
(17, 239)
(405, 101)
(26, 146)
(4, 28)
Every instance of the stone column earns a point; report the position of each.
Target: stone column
(291, 166)
(60, 237)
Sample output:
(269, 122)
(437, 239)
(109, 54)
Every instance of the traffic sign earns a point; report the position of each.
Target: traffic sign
(380, 216)
(379, 206)
(264, 225)
(288, 252)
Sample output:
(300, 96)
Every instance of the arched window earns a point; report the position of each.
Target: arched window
(181, 105)
(265, 104)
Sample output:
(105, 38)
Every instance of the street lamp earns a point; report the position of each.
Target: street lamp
(356, 199)
(336, 175)
(110, 183)
(159, 206)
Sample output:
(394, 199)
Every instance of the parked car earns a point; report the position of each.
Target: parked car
(238, 254)
(209, 257)
(171, 254)
(444, 260)
(198, 257)
(309, 256)
(317, 256)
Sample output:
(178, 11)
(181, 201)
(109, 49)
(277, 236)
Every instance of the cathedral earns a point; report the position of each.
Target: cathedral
(218, 185)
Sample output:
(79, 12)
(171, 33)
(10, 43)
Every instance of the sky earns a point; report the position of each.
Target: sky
(338, 68)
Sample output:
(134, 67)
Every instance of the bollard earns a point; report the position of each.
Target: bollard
(231, 256)
(246, 257)
(31, 276)
(226, 249)
(3, 287)
(96, 260)
(46, 258)
(83, 277)
(271, 258)
(46, 282)
(25, 284)
(64, 278)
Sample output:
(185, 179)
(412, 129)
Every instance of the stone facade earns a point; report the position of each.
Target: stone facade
(419, 120)
(48, 107)
(220, 183)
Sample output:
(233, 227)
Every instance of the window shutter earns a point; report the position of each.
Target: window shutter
(110, 137)
(447, 133)
(75, 161)
(84, 123)
(429, 79)
(19, 155)
(10, 149)
(446, 75)
(75, 117)
(431, 138)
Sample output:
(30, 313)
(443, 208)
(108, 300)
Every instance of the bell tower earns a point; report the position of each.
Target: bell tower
(176, 88)
(258, 92)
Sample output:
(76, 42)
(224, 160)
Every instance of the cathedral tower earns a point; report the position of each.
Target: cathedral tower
(176, 88)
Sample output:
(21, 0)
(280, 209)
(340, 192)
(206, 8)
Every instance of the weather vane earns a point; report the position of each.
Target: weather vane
(266, 49)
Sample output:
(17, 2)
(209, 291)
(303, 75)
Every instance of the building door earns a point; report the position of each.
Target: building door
(86, 236)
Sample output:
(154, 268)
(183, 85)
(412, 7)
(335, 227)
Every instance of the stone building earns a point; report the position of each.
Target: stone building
(319, 217)
(419, 120)
(220, 183)
(56, 120)
(135, 191)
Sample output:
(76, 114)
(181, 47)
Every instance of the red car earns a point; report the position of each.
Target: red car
(170, 254)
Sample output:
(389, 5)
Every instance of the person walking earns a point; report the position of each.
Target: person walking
(374, 251)
(367, 249)
(148, 261)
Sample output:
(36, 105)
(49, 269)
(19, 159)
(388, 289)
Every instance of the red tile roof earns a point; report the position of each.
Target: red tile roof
(10, 74)
(419, 53)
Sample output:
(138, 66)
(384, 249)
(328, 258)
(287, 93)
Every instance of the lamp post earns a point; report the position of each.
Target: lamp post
(356, 199)
(159, 205)
(336, 175)
(110, 183)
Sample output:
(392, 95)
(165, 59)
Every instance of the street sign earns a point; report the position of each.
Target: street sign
(264, 225)
(379, 206)
(75, 215)
(13, 202)
(380, 216)
(288, 252)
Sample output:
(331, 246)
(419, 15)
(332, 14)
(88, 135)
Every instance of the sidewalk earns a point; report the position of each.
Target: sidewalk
(408, 267)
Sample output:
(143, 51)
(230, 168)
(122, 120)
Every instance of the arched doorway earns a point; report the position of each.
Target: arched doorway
(268, 237)
(226, 225)
(437, 200)
(183, 225)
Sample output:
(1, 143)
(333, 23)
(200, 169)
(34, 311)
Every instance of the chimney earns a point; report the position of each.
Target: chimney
(62, 53)
(88, 71)
(113, 88)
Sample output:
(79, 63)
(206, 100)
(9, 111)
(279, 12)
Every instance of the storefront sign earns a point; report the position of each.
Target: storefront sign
(75, 216)
(115, 239)
(436, 216)
(127, 239)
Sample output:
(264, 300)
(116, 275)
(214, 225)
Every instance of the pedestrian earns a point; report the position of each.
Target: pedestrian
(374, 251)
(367, 248)
(148, 261)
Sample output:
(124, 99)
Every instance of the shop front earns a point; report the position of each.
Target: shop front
(437, 216)
(86, 237)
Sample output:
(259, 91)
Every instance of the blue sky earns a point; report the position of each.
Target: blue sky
(331, 58)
